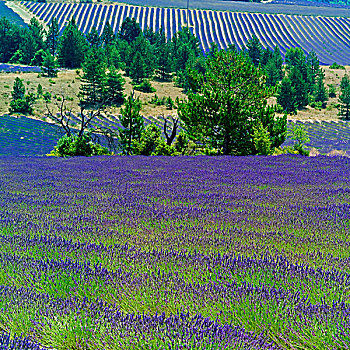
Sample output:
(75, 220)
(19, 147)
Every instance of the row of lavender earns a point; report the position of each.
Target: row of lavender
(224, 28)
(176, 253)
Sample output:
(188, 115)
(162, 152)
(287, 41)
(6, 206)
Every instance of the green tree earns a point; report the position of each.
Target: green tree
(52, 37)
(320, 92)
(49, 65)
(38, 58)
(27, 47)
(298, 134)
(164, 60)
(129, 30)
(344, 98)
(93, 38)
(132, 124)
(286, 96)
(38, 32)
(72, 46)
(296, 59)
(255, 50)
(114, 89)
(10, 37)
(274, 67)
(301, 95)
(138, 68)
(19, 89)
(313, 66)
(21, 102)
(151, 143)
(231, 99)
(262, 141)
(184, 48)
(108, 43)
(93, 80)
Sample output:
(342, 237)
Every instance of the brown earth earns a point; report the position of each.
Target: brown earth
(68, 82)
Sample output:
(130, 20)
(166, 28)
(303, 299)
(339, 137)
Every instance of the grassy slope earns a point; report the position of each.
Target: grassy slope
(68, 83)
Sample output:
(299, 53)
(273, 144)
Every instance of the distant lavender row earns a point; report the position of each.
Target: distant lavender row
(224, 28)
(16, 68)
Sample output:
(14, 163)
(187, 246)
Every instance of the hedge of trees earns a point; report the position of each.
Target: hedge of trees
(214, 120)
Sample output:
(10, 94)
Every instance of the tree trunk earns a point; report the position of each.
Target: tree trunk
(226, 146)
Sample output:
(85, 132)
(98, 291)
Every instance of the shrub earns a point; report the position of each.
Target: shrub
(336, 66)
(70, 146)
(300, 137)
(332, 90)
(262, 141)
(145, 86)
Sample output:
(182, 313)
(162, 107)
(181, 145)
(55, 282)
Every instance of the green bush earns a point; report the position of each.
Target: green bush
(262, 141)
(336, 66)
(299, 135)
(71, 146)
(145, 86)
(332, 90)
(151, 143)
(23, 105)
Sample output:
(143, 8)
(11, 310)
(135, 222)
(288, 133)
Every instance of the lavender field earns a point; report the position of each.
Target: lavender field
(327, 36)
(175, 253)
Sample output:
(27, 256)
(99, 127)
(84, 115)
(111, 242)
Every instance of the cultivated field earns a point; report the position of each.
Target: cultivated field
(327, 36)
(176, 253)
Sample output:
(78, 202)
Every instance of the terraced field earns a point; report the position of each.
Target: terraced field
(329, 37)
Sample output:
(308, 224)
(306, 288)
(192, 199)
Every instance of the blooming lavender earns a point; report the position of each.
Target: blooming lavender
(176, 253)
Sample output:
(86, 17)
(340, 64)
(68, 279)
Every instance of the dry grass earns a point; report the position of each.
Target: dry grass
(68, 83)
(330, 113)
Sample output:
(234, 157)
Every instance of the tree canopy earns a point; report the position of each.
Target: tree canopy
(231, 99)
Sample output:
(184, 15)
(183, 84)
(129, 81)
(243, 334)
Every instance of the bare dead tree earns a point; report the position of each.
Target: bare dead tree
(64, 117)
(174, 126)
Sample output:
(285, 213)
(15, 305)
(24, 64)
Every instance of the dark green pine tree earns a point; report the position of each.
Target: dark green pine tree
(184, 49)
(49, 65)
(138, 68)
(19, 89)
(320, 92)
(231, 99)
(93, 38)
(141, 45)
(313, 67)
(286, 96)
(72, 47)
(300, 88)
(53, 37)
(108, 37)
(114, 88)
(132, 124)
(28, 47)
(266, 56)
(129, 30)
(274, 68)
(108, 40)
(10, 37)
(255, 50)
(164, 61)
(38, 33)
(344, 98)
(93, 80)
